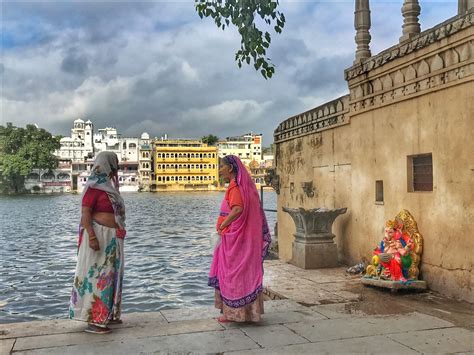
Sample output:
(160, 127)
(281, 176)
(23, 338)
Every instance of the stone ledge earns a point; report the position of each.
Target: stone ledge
(395, 285)
(326, 116)
(272, 295)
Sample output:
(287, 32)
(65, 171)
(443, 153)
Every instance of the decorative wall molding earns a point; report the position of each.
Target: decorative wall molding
(433, 72)
(424, 39)
(441, 68)
(321, 118)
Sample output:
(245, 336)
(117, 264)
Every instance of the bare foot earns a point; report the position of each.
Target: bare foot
(222, 319)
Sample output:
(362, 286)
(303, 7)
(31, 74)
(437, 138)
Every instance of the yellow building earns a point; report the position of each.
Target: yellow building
(185, 165)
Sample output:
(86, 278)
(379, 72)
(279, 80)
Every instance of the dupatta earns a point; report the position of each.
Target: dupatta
(100, 179)
(237, 264)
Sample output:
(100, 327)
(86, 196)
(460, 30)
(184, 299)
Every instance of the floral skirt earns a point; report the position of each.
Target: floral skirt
(97, 291)
(251, 312)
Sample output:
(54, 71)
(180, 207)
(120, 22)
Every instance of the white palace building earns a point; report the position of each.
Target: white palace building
(76, 157)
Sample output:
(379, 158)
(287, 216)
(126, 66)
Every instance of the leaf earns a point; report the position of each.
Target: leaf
(242, 14)
(268, 37)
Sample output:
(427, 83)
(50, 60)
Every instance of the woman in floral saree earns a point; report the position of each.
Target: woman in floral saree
(97, 290)
(237, 265)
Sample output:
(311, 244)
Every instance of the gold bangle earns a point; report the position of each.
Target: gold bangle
(93, 236)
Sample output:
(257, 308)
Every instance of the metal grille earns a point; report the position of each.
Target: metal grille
(423, 173)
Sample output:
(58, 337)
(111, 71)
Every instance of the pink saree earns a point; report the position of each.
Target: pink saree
(237, 265)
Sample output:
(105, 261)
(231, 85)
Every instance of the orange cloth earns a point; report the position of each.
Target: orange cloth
(233, 198)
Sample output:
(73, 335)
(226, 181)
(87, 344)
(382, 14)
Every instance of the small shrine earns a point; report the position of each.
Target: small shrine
(396, 260)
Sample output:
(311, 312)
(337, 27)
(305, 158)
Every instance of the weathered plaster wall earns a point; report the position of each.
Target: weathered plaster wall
(323, 159)
(419, 103)
(382, 141)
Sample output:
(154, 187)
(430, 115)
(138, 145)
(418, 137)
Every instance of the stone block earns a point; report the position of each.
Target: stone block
(273, 335)
(62, 326)
(365, 345)
(204, 312)
(202, 342)
(314, 255)
(333, 329)
(283, 306)
(450, 340)
(6, 346)
(118, 335)
(55, 326)
(280, 318)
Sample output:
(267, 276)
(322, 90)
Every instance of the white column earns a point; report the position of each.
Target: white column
(362, 26)
(411, 26)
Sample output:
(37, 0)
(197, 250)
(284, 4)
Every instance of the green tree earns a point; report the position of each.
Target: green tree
(24, 149)
(269, 150)
(210, 139)
(244, 14)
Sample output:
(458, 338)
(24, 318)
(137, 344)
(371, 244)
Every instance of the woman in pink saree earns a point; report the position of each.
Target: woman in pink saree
(237, 265)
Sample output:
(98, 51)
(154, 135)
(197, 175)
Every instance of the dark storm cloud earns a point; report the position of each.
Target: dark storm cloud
(74, 62)
(156, 67)
(324, 74)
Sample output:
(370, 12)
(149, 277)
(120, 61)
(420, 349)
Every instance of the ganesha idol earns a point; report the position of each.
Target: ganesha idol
(397, 257)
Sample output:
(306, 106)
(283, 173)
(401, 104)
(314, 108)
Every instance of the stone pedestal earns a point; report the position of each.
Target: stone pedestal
(314, 246)
(314, 256)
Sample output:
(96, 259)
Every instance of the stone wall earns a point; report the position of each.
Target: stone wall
(414, 98)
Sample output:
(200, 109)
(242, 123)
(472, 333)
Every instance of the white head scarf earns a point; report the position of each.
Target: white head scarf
(100, 179)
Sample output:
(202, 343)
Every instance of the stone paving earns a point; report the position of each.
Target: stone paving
(311, 311)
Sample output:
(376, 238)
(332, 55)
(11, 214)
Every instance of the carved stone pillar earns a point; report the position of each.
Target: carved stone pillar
(314, 246)
(464, 6)
(362, 26)
(411, 26)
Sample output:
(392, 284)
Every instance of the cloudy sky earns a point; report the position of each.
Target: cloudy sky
(155, 66)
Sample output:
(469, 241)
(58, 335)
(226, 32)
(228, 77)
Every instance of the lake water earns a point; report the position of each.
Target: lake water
(167, 252)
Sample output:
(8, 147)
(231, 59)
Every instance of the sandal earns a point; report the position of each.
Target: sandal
(115, 321)
(93, 329)
(223, 319)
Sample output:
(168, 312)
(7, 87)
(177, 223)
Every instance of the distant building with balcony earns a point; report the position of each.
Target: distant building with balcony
(107, 139)
(145, 165)
(78, 152)
(184, 164)
(44, 181)
(247, 147)
(79, 145)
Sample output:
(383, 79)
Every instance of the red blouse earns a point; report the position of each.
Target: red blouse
(97, 200)
(234, 198)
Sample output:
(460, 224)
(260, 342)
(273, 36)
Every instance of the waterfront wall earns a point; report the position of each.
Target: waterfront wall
(414, 98)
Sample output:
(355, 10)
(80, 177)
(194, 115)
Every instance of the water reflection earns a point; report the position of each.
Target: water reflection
(167, 252)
